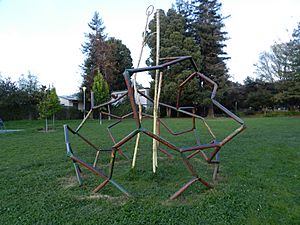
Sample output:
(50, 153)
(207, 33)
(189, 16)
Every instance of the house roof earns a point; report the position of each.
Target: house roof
(73, 97)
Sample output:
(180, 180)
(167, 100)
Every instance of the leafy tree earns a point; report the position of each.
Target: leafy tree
(110, 57)
(276, 64)
(100, 89)
(121, 60)
(49, 105)
(30, 94)
(259, 94)
(295, 46)
(10, 108)
(18, 100)
(282, 66)
(235, 96)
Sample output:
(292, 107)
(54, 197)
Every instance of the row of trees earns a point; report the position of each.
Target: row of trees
(196, 28)
(27, 99)
(191, 28)
(279, 69)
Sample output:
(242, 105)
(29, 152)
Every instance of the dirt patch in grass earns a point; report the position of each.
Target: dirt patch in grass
(121, 200)
(68, 182)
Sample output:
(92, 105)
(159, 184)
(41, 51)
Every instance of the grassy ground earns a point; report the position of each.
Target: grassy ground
(259, 179)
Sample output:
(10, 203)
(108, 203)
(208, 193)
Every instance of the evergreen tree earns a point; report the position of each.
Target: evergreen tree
(97, 52)
(110, 57)
(100, 89)
(205, 24)
(207, 29)
(174, 42)
(121, 60)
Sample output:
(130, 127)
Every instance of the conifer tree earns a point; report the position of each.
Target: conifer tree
(100, 89)
(174, 42)
(97, 52)
(205, 25)
(207, 29)
(108, 56)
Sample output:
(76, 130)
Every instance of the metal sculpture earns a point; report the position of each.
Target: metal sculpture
(185, 153)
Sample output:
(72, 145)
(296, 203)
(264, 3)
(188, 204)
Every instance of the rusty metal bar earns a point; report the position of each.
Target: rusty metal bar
(127, 138)
(161, 140)
(175, 133)
(131, 97)
(111, 101)
(232, 135)
(199, 147)
(101, 185)
(166, 153)
(101, 174)
(83, 121)
(181, 190)
(159, 67)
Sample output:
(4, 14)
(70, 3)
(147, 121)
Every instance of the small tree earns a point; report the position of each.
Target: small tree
(48, 106)
(100, 89)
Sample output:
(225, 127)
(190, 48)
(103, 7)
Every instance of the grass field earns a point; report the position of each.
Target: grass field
(259, 180)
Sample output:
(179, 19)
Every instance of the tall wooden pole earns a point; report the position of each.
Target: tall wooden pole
(155, 103)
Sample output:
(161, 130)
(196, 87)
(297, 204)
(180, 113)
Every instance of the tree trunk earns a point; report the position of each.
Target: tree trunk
(46, 129)
(53, 120)
(100, 117)
(211, 113)
(168, 112)
(265, 111)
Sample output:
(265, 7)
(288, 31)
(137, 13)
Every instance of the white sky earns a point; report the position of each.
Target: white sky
(45, 37)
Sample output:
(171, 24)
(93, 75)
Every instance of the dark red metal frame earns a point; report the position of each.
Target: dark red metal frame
(214, 144)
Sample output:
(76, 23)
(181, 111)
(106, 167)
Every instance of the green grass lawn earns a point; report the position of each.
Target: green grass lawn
(259, 180)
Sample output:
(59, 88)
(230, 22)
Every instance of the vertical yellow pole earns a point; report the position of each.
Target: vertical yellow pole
(156, 100)
(136, 95)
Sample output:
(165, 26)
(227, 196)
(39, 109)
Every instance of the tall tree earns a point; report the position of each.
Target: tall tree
(282, 66)
(174, 42)
(97, 52)
(295, 43)
(108, 56)
(275, 64)
(121, 60)
(205, 24)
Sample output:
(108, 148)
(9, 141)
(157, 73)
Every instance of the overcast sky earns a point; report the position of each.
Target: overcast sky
(45, 37)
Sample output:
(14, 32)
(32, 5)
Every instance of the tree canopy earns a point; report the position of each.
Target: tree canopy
(281, 65)
(109, 56)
